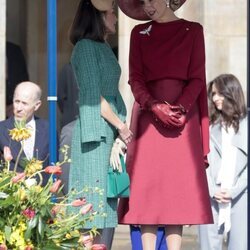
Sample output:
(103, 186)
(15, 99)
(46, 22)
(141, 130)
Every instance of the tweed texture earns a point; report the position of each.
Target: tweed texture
(97, 72)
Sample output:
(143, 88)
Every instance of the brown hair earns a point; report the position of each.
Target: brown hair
(88, 23)
(234, 107)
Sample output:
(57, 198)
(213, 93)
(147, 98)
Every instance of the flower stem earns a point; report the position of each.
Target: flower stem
(8, 166)
(18, 157)
(40, 177)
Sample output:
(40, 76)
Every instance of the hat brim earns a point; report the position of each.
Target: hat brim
(133, 9)
(103, 5)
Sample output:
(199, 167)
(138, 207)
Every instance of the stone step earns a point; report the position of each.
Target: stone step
(122, 238)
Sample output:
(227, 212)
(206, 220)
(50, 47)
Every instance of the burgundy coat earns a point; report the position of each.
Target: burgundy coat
(166, 167)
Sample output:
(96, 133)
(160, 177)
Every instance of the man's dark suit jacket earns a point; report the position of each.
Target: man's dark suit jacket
(41, 148)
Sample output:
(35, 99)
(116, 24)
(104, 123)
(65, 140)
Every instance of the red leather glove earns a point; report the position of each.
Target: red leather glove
(167, 114)
(179, 108)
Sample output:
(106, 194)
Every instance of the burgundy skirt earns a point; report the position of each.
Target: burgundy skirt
(166, 168)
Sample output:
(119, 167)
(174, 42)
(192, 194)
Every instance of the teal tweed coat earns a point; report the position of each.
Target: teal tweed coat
(97, 73)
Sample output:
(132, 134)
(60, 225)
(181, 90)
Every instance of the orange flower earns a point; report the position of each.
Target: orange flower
(55, 210)
(3, 247)
(86, 240)
(86, 208)
(53, 170)
(18, 177)
(55, 186)
(29, 248)
(98, 247)
(7, 154)
(78, 202)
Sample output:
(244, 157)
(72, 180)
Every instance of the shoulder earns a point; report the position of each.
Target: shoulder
(11, 47)
(240, 138)
(243, 126)
(68, 127)
(194, 27)
(42, 122)
(214, 127)
(7, 123)
(66, 68)
(88, 44)
(87, 47)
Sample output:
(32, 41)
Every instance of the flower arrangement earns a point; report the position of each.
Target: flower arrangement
(29, 218)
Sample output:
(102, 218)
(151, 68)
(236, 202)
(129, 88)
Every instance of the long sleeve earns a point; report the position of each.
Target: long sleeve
(196, 81)
(240, 185)
(136, 76)
(240, 141)
(122, 111)
(85, 65)
(212, 186)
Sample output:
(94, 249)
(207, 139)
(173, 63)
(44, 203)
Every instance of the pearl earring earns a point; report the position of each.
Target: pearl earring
(168, 3)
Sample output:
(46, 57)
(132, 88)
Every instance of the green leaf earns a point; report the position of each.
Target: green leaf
(70, 243)
(32, 224)
(41, 226)
(51, 246)
(7, 231)
(3, 195)
(10, 200)
(56, 236)
(27, 234)
(5, 181)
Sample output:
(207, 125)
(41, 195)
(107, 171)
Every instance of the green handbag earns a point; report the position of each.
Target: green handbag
(118, 182)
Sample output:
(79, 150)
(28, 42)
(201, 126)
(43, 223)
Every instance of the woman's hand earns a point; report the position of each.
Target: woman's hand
(119, 148)
(223, 196)
(125, 133)
(167, 114)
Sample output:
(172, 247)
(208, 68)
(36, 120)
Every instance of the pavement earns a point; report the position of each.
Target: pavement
(122, 241)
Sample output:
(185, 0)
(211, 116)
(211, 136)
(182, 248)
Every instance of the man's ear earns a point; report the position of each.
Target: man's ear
(37, 105)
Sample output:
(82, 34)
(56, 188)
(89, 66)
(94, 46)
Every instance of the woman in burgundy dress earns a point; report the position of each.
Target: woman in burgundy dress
(167, 159)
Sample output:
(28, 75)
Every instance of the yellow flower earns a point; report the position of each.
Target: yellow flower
(2, 238)
(22, 226)
(33, 166)
(68, 236)
(21, 194)
(75, 234)
(19, 134)
(37, 189)
(17, 237)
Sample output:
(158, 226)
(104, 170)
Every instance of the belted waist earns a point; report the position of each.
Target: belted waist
(110, 98)
(166, 89)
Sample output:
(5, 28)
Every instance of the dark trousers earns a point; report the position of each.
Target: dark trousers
(135, 235)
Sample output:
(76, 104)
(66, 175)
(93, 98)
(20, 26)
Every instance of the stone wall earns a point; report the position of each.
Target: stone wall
(2, 57)
(224, 22)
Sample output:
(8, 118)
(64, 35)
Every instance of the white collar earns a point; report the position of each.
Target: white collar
(31, 123)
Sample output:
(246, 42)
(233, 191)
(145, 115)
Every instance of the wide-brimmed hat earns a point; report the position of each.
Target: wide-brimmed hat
(133, 8)
(103, 5)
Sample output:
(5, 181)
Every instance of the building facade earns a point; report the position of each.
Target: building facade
(24, 22)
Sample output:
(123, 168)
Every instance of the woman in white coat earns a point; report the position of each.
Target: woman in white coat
(227, 172)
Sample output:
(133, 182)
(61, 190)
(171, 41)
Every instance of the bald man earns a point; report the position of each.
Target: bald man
(26, 101)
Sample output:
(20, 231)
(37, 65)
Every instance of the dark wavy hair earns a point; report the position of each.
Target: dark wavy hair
(234, 107)
(88, 23)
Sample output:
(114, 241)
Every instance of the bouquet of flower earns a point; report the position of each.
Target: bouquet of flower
(31, 216)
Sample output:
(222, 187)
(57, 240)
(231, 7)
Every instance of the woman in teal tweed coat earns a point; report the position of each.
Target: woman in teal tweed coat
(102, 111)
